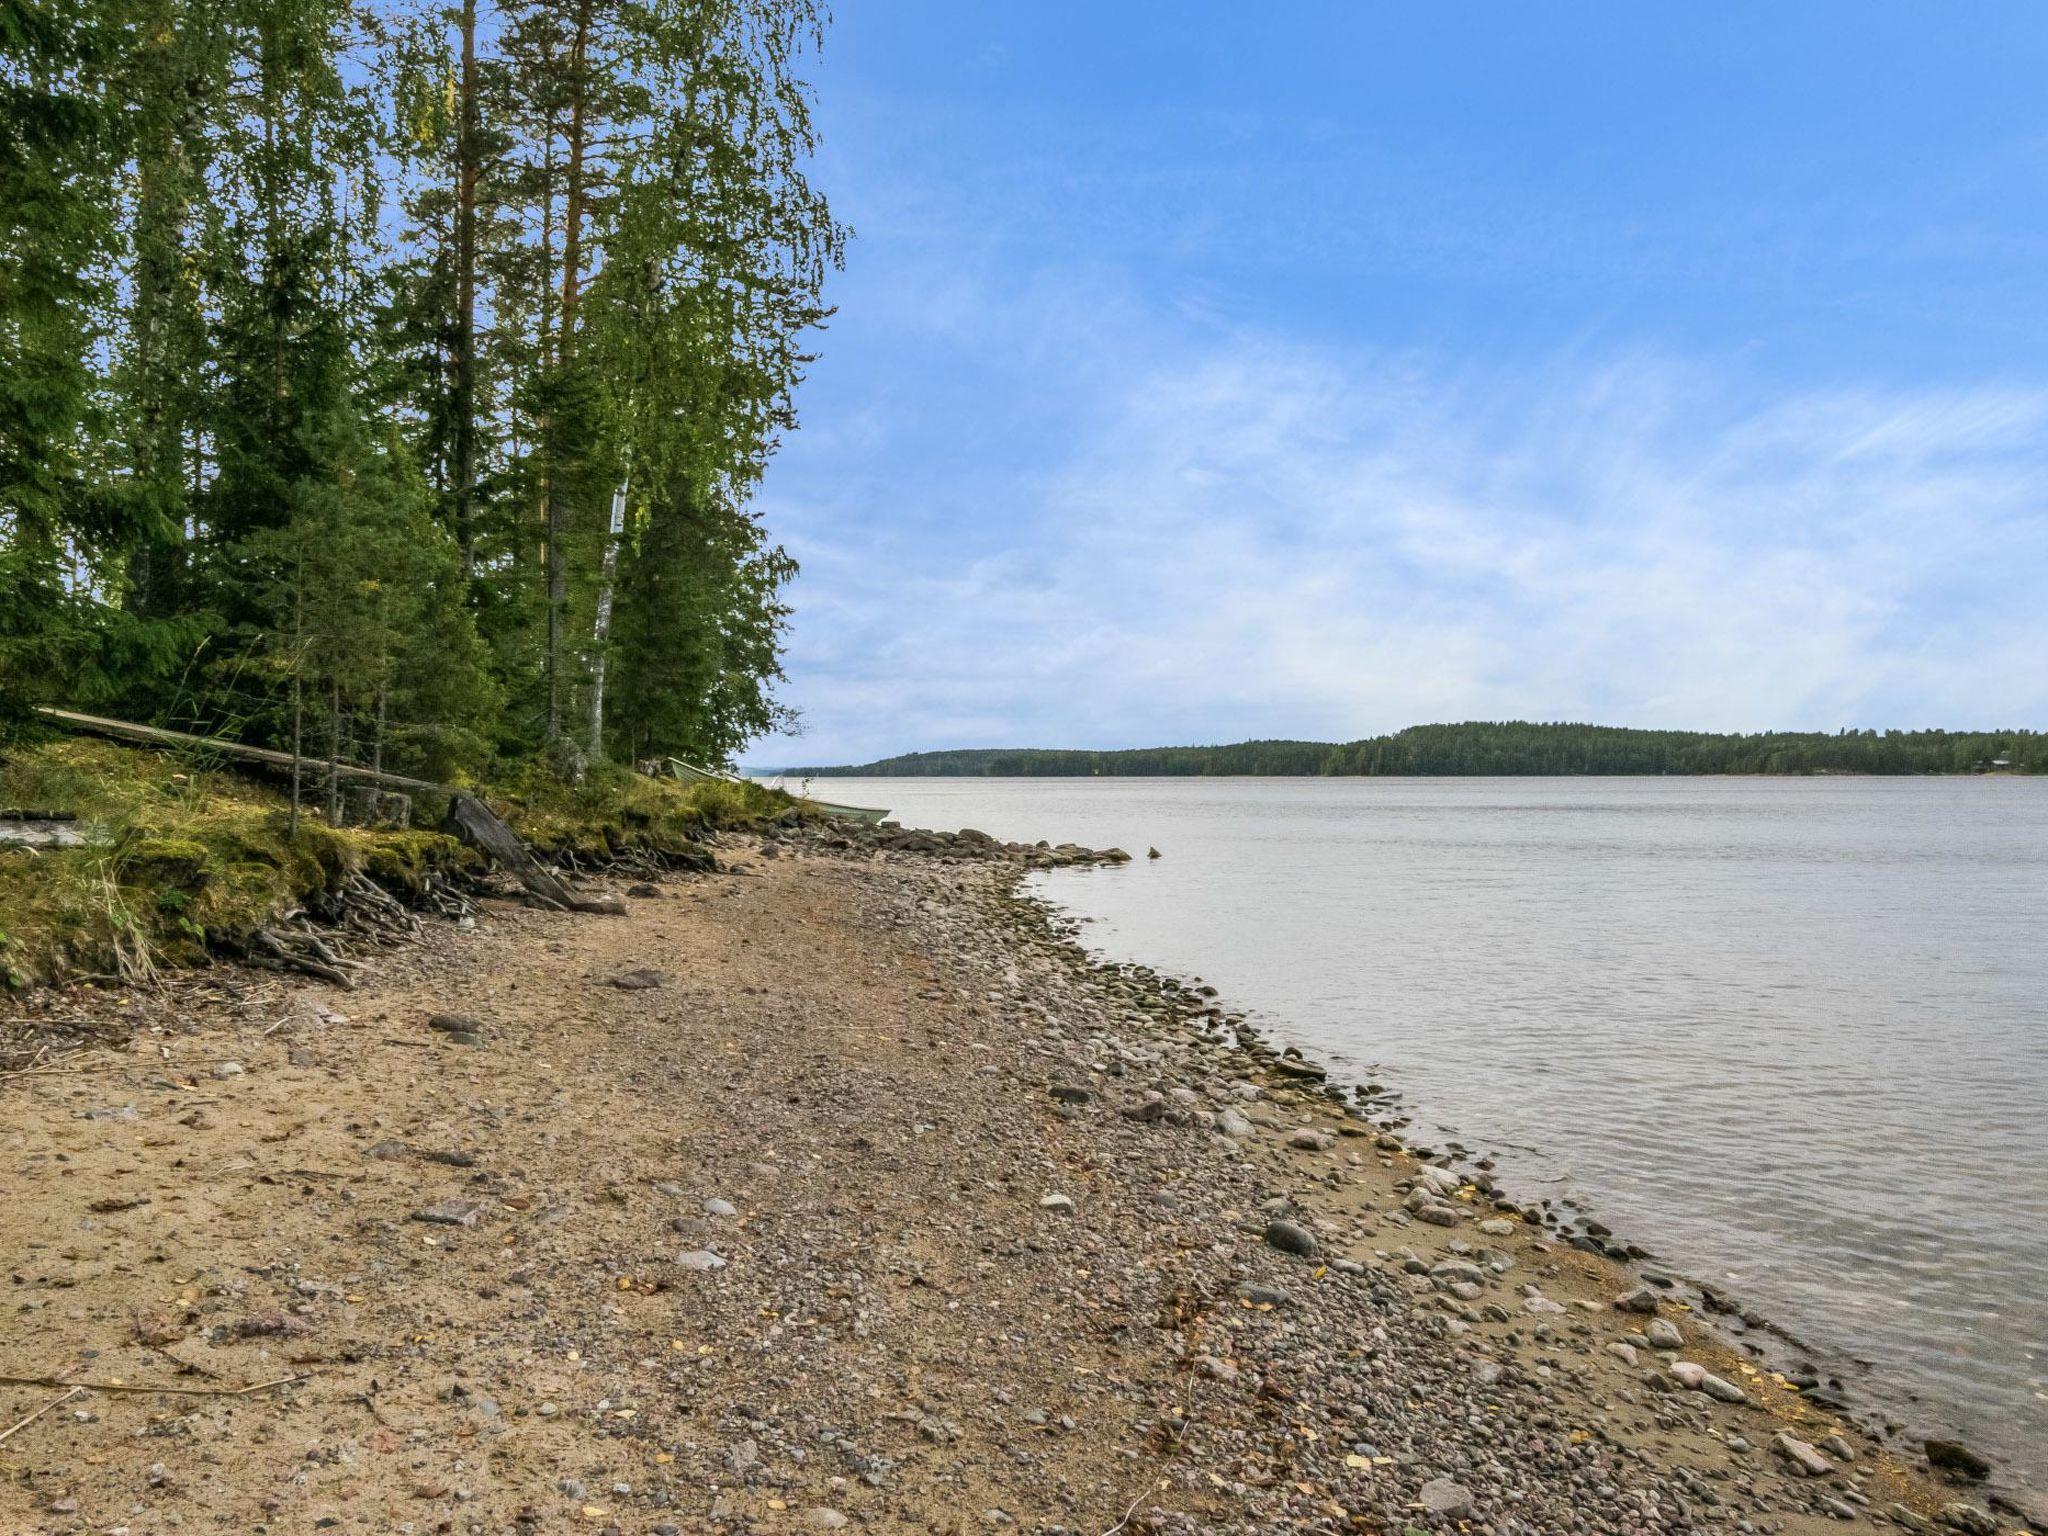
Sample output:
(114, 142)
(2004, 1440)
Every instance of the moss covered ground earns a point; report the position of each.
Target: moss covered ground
(181, 853)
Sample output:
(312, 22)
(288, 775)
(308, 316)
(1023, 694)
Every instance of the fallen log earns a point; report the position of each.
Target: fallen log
(473, 821)
(468, 817)
(184, 741)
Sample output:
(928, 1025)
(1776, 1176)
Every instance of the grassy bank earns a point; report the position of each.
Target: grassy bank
(182, 854)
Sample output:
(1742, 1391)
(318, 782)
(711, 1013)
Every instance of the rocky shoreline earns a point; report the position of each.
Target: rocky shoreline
(838, 1189)
(1442, 1173)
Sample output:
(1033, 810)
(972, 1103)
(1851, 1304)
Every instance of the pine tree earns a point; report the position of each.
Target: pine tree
(55, 236)
(320, 379)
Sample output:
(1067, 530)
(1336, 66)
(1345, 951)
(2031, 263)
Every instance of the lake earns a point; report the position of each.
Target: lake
(1790, 1034)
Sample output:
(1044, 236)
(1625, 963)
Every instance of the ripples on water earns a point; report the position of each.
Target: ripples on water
(1790, 1033)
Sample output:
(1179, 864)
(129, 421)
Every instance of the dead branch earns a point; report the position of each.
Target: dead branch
(47, 1407)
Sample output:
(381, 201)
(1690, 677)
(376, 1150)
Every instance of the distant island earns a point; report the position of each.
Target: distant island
(1486, 748)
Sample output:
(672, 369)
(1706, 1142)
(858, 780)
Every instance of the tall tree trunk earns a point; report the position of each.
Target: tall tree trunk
(334, 754)
(467, 175)
(601, 629)
(574, 197)
(156, 447)
(298, 695)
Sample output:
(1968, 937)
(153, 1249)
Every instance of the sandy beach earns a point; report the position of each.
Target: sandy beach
(834, 1190)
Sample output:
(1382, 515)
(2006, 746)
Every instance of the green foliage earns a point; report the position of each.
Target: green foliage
(178, 853)
(327, 330)
(1508, 748)
(616, 811)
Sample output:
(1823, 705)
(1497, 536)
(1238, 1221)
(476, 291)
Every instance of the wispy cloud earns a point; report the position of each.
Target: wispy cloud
(1237, 535)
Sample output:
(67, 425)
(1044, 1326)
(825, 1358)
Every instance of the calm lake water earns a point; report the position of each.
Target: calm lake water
(1791, 1034)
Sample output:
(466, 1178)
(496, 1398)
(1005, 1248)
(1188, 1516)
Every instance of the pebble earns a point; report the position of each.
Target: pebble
(1290, 1237)
(1443, 1496)
(1265, 1296)
(1722, 1390)
(1056, 1202)
(1663, 1334)
(1440, 1179)
(702, 1259)
(1953, 1456)
(717, 1207)
(1804, 1458)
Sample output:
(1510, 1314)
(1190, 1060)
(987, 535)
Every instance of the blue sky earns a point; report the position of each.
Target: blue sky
(1205, 371)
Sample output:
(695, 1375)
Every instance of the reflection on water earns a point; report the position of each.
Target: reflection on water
(1790, 1033)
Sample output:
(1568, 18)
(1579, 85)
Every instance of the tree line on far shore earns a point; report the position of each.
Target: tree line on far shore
(391, 377)
(1504, 748)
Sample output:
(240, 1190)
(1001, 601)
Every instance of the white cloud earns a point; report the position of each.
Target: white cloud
(1247, 536)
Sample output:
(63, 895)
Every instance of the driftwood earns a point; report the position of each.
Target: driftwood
(40, 829)
(145, 1388)
(474, 823)
(301, 952)
(21, 1424)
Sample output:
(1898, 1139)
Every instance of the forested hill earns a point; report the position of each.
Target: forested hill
(391, 379)
(1505, 748)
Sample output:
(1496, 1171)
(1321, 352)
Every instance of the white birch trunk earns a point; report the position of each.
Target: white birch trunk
(601, 629)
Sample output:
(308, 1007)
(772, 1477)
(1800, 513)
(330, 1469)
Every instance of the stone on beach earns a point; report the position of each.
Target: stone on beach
(1663, 1334)
(1721, 1389)
(1444, 1496)
(1441, 1179)
(1290, 1237)
(1953, 1456)
(1805, 1459)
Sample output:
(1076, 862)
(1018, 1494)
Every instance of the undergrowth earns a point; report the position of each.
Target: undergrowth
(615, 812)
(181, 853)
